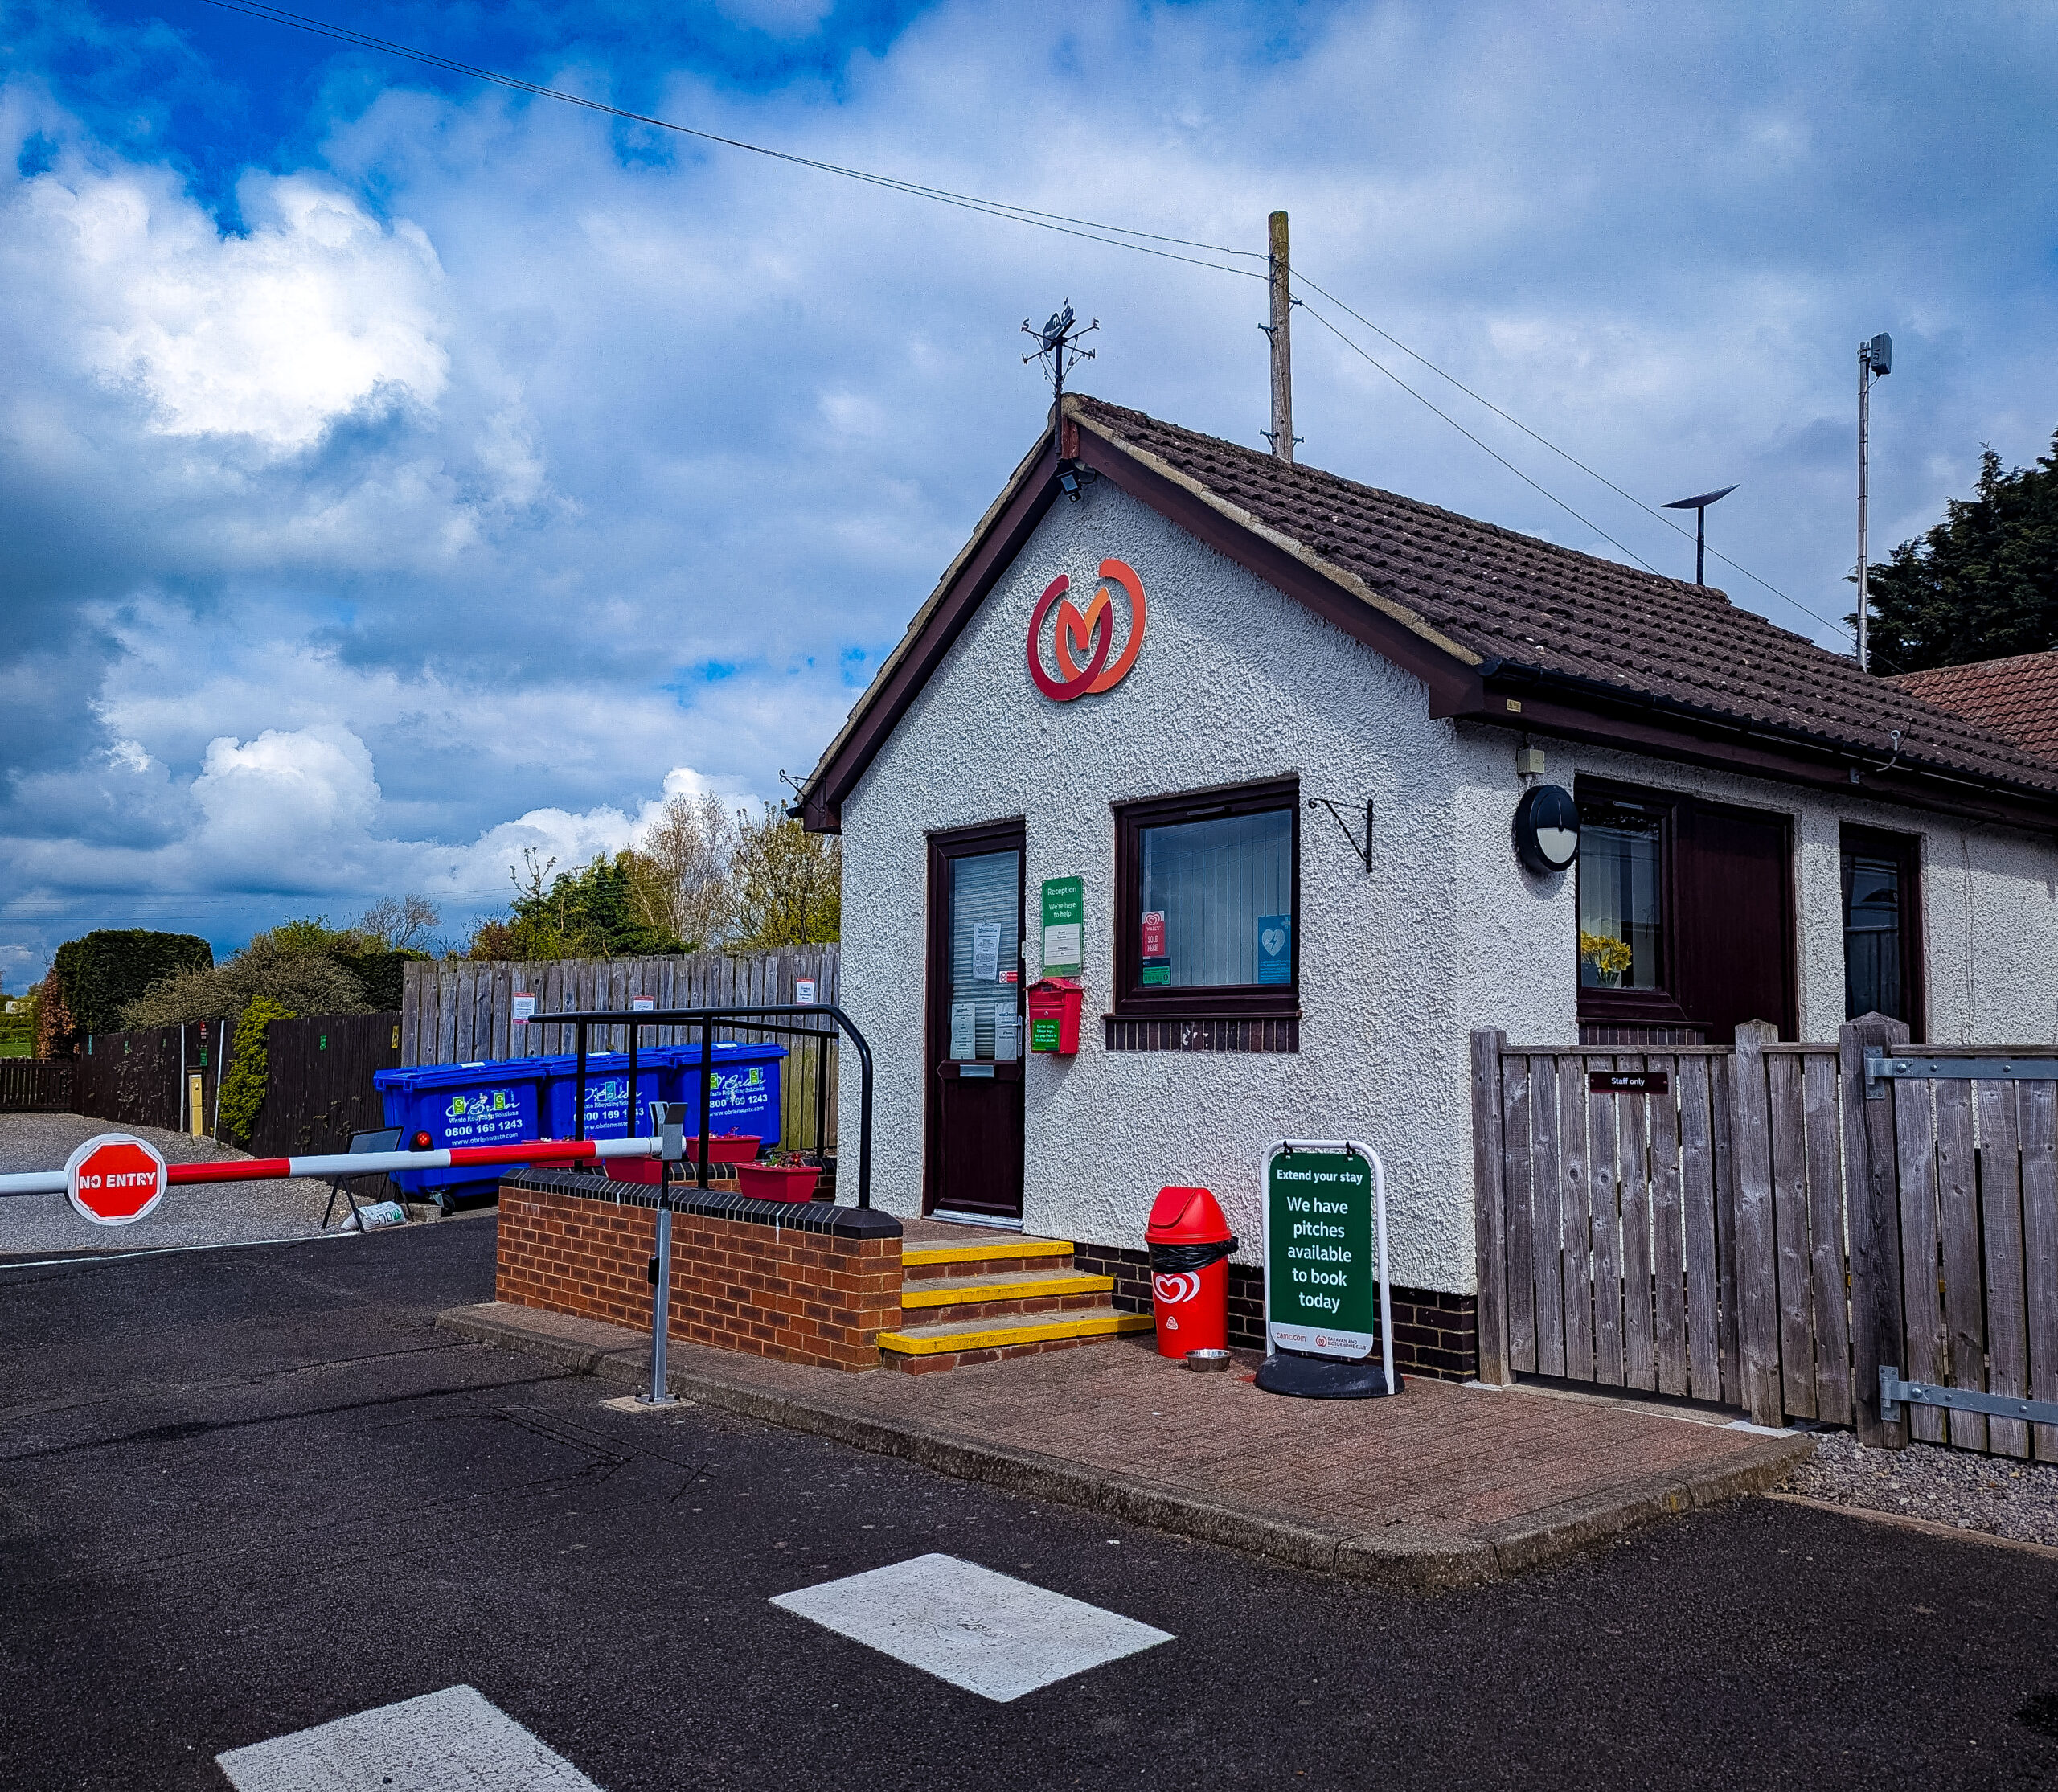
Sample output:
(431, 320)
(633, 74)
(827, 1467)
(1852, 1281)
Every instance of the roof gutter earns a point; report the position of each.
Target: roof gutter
(1498, 675)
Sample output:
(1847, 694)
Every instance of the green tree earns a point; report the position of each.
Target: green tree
(602, 910)
(785, 884)
(1982, 584)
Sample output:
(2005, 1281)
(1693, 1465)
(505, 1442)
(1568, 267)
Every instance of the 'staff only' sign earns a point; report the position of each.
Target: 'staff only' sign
(114, 1179)
(1322, 1281)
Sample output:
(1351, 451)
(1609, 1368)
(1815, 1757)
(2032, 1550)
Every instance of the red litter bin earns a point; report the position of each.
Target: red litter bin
(1190, 1245)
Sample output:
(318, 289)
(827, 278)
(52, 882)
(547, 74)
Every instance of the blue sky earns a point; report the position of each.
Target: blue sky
(396, 471)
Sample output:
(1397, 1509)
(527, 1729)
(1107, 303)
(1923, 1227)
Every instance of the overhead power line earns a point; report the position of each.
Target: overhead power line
(1536, 436)
(1122, 236)
(1116, 235)
(1359, 349)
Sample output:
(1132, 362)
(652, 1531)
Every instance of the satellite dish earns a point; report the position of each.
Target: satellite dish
(1701, 503)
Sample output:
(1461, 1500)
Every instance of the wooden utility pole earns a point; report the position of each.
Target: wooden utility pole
(1281, 332)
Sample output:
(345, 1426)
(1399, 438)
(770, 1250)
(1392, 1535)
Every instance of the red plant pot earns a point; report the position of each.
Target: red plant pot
(777, 1181)
(725, 1148)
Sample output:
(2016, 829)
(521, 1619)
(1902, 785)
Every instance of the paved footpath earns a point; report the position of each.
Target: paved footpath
(1446, 1486)
(248, 1492)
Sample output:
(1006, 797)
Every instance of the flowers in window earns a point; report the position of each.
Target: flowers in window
(1609, 956)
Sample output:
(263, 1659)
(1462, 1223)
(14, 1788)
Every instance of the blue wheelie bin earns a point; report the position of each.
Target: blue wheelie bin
(744, 1097)
(744, 1094)
(607, 1092)
(490, 1103)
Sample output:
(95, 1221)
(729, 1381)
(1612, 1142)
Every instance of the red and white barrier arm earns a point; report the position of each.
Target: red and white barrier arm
(541, 1151)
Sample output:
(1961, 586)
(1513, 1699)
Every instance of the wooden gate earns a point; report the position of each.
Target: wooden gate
(1745, 1226)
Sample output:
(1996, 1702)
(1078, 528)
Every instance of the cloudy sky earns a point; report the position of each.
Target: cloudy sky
(397, 470)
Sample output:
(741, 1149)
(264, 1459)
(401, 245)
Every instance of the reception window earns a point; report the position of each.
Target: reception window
(1207, 903)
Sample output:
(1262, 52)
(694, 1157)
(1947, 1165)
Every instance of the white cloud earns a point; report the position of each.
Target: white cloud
(500, 457)
(318, 312)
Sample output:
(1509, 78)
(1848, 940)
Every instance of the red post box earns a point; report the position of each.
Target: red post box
(1190, 1243)
(1054, 1004)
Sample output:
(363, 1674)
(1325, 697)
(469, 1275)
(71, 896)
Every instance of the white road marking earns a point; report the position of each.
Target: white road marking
(988, 1633)
(449, 1741)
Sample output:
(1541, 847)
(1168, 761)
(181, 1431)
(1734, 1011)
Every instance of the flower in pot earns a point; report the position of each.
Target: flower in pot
(784, 1176)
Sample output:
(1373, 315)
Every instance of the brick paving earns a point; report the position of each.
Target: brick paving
(1446, 1485)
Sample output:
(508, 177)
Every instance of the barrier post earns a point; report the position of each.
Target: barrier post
(579, 1112)
(671, 1116)
(706, 1086)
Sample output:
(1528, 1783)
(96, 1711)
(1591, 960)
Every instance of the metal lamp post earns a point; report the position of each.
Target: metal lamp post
(1876, 360)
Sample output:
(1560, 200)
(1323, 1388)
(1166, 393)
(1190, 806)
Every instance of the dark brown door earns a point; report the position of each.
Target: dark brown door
(973, 1163)
(1733, 872)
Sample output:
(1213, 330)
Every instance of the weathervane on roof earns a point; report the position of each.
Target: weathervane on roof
(1057, 345)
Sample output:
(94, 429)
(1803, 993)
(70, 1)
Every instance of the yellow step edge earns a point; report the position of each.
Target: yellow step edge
(1037, 1329)
(959, 1290)
(992, 1251)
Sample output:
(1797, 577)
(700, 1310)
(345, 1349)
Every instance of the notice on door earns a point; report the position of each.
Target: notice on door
(1064, 917)
(1321, 1274)
(986, 952)
(963, 1030)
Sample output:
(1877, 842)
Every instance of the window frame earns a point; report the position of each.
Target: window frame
(1132, 999)
(1652, 1006)
(1905, 850)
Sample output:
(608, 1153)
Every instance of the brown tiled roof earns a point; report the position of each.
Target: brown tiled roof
(2016, 698)
(1510, 597)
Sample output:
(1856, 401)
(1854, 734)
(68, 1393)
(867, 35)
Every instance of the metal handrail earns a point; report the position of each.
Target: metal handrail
(707, 1019)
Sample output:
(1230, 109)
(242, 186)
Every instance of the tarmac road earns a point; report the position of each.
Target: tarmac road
(247, 1492)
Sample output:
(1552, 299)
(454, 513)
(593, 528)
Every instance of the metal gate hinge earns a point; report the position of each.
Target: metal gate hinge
(1893, 1390)
(1883, 1066)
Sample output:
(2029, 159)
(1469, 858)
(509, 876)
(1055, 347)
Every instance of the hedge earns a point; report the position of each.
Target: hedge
(101, 974)
(382, 974)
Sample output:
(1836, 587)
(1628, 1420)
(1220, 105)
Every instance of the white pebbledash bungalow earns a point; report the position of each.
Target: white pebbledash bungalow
(1259, 735)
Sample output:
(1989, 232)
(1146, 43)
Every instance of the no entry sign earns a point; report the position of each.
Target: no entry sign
(114, 1179)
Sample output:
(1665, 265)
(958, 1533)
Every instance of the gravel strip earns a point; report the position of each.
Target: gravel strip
(212, 1213)
(1994, 1493)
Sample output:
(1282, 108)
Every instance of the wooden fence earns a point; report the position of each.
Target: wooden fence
(142, 1078)
(463, 1013)
(35, 1085)
(318, 1088)
(1745, 1226)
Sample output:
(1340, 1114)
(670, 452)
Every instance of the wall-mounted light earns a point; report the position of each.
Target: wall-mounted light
(1074, 477)
(1546, 829)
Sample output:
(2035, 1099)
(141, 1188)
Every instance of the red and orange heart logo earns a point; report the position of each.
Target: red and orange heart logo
(1090, 636)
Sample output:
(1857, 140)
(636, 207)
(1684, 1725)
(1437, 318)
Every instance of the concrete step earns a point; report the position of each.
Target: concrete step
(941, 1298)
(990, 1254)
(926, 1349)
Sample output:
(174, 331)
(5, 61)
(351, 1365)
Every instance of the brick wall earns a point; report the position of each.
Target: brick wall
(805, 1281)
(1434, 1334)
